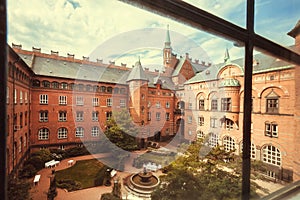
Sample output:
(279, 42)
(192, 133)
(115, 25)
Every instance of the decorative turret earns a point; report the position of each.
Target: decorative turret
(137, 73)
(167, 50)
(295, 33)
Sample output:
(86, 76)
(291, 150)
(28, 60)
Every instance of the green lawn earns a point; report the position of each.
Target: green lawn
(84, 171)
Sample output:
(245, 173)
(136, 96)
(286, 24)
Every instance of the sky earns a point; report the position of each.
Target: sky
(115, 31)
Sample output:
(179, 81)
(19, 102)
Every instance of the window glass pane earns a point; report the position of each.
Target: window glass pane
(233, 11)
(275, 19)
(275, 117)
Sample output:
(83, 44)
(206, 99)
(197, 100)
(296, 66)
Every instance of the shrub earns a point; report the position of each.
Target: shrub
(18, 189)
(68, 184)
(27, 171)
(77, 151)
(101, 176)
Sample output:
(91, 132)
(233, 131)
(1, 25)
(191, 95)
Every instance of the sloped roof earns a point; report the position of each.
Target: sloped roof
(263, 63)
(137, 73)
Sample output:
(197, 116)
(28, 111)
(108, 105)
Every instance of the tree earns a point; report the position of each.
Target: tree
(193, 177)
(121, 131)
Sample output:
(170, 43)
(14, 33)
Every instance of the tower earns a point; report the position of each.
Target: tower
(167, 51)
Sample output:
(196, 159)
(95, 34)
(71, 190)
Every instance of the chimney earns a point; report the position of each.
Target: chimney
(196, 61)
(123, 64)
(16, 46)
(55, 53)
(70, 55)
(34, 49)
(99, 60)
(85, 58)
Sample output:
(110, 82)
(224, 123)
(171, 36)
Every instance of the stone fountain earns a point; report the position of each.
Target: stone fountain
(143, 183)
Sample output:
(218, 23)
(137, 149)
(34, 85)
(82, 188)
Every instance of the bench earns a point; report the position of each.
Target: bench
(36, 179)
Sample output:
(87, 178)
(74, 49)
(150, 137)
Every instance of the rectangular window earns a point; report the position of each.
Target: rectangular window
(201, 121)
(21, 97)
(26, 98)
(43, 116)
(79, 132)
(79, 116)
(158, 116)
(7, 95)
(62, 133)
(79, 101)
(213, 122)
(229, 124)
(108, 115)
(201, 104)
(122, 103)
(167, 116)
(158, 104)
(15, 96)
(43, 99)
(226, 104)
(190, 106)
(62, 116)
(95, 115)
(190, 119)
(108, 102)
(214, 104)
(271, 129)
(95, 101)
(168, 105)
(62, 100)
(149, 116)
(272, 105)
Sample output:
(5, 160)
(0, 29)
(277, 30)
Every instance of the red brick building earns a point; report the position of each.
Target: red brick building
(69, 101)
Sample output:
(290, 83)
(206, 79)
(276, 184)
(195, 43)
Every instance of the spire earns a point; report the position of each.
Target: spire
(226, 57)
(168, 40)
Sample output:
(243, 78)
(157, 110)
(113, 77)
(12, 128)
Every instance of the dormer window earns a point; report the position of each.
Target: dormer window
(272, 101)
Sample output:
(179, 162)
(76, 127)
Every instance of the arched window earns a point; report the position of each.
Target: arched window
(229, 124)
(95, 131)
(64, 86)
(46, 84)
(201, 105)
(54, 85)
(79, 132)
(62, 133)
(200, 134)
(271, 155)
(109, 89)
(35, 83)
(122, 91)
(116, 90)
(102, 89)
(43, 134)
(181, 105)
(229, 143)
(214, 103)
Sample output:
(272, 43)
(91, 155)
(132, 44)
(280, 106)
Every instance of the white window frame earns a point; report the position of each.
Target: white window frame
(158, 104)
(21, 96)
(26, 98)
(95, 131)
(95, 116)
(229, 143)
(43, 98)
(157, 116)
(62, 116)
(271, 155)
(62, 133)
(43, 116)
(79, 116)
(122, 103)
(201, 121)
(7, 95)
(79, 132)
(95, 101)
(167, 104)
(79, 101)
(43, 134)
(15, 96)
(62, 100)
(190, 119)
(109, 102)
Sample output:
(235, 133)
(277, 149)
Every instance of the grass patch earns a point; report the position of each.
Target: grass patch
(84, 172)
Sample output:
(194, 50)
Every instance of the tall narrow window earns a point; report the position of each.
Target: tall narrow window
(21, 97)
(26, 98)
(229, 124)
(95, 101)
(158, 116)
(167, 116)
(167, 104)
(122, 103)
(214, 104)
(109, 102)
(201, 103)
(95, 131)
(213, 122)
(201, 121)
(7, 95)
(108, 115)
(15, 96)
(149, 116)
(95, 115)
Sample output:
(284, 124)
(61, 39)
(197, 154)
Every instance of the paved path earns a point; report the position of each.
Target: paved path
(39, 192)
